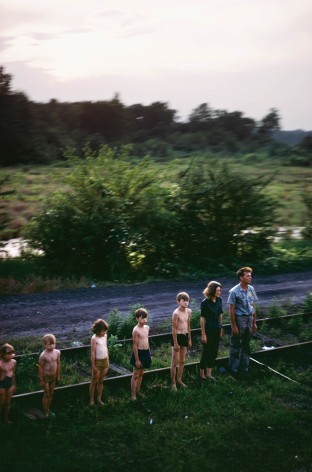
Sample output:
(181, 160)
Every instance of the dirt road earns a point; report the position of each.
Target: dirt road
(69, 314)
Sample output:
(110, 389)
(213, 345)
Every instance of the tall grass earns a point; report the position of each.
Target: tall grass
(31, 184)
(256, 426)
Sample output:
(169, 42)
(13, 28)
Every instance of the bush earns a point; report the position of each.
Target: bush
(121, 221)
(114, 321)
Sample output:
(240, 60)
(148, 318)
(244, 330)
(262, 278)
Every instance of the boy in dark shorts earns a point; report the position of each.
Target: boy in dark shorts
(181, 338)
(141, 355)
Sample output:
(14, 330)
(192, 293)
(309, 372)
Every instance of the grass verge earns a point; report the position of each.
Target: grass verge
(262, 424)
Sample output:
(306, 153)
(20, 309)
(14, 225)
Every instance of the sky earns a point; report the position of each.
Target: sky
(235, 55)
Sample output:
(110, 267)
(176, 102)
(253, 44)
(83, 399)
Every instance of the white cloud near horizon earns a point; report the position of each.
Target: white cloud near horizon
(246, 55)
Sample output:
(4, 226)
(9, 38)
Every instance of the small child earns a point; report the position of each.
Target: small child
(7, 379)
(141, 355)
(181, 338)
(99, 359)
(49, 371)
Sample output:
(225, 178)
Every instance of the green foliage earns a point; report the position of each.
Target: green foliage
(128, 323)
(278, 413)
(307, 306)
(221, 215)
(287, 258)
(295, 326)
(38, 132)
(114, 321)
(27, 374)
(121, 221)
(195, 319)
(307, 199)
(115, 349)
(121, 327)
(275, 311)
(109, 222)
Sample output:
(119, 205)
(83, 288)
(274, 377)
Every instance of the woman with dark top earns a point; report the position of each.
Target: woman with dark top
(211, 328)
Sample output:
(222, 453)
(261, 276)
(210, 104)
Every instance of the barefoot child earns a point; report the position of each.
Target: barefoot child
(181, 338)
(141, 356)
(49, 370)
(7, 379)
(99, 359)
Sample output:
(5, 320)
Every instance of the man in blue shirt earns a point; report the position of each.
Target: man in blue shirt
(242, 311)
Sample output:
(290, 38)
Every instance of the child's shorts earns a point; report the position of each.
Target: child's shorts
(145, 358)
(49, 378)
(102, 363)
(182, 340)
(6, 383)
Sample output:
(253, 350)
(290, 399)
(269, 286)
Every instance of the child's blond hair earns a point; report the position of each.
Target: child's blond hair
(49, 338)
(6, 349)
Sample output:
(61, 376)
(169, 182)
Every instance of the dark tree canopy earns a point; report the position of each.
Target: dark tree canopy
(39, 132)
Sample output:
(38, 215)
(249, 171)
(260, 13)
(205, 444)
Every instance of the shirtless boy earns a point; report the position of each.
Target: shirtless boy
(7, 379)
(141, 355)
(49, 370)
(181, 338)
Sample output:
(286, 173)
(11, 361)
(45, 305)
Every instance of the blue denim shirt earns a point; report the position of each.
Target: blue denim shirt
(243, 300)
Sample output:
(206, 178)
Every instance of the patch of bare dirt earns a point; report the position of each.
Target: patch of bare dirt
(72, 312)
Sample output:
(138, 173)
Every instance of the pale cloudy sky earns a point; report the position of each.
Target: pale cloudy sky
(245, 55)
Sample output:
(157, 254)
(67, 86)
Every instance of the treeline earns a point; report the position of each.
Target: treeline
(33, 132)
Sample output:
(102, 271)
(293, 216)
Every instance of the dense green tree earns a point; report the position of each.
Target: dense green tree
(5, 190)
(201, 117)
(17, 125)
(221, 215)
(104, 117)
(111, 223)
(307, 199)
(121, 220)
(306, 143)
(235, 123)
(39, 132)
(5, 82)
(270, 123)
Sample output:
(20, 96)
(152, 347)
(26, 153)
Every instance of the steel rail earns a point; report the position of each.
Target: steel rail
(82, 389)
(168, 335)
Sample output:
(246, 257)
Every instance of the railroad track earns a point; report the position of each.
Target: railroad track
(81, 390)
(162, 337)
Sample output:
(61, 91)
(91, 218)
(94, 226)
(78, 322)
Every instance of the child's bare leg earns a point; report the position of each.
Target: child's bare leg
(91, 390)
(173, 369)
(8, 397)
(138, 383)
(2, 401)
(46, 399)
(134, 380)
(102, 376)
(182, 354)
(51, 391)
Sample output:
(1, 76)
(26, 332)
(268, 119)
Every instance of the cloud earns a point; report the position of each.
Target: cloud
(226, 52)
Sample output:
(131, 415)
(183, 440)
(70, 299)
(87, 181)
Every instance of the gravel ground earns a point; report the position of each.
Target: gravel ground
(69, 313)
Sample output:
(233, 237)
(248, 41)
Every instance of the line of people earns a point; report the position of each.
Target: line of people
(242, 311)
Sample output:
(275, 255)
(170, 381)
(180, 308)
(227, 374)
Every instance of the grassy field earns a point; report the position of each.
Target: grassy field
(259, 425)
(30, 185)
